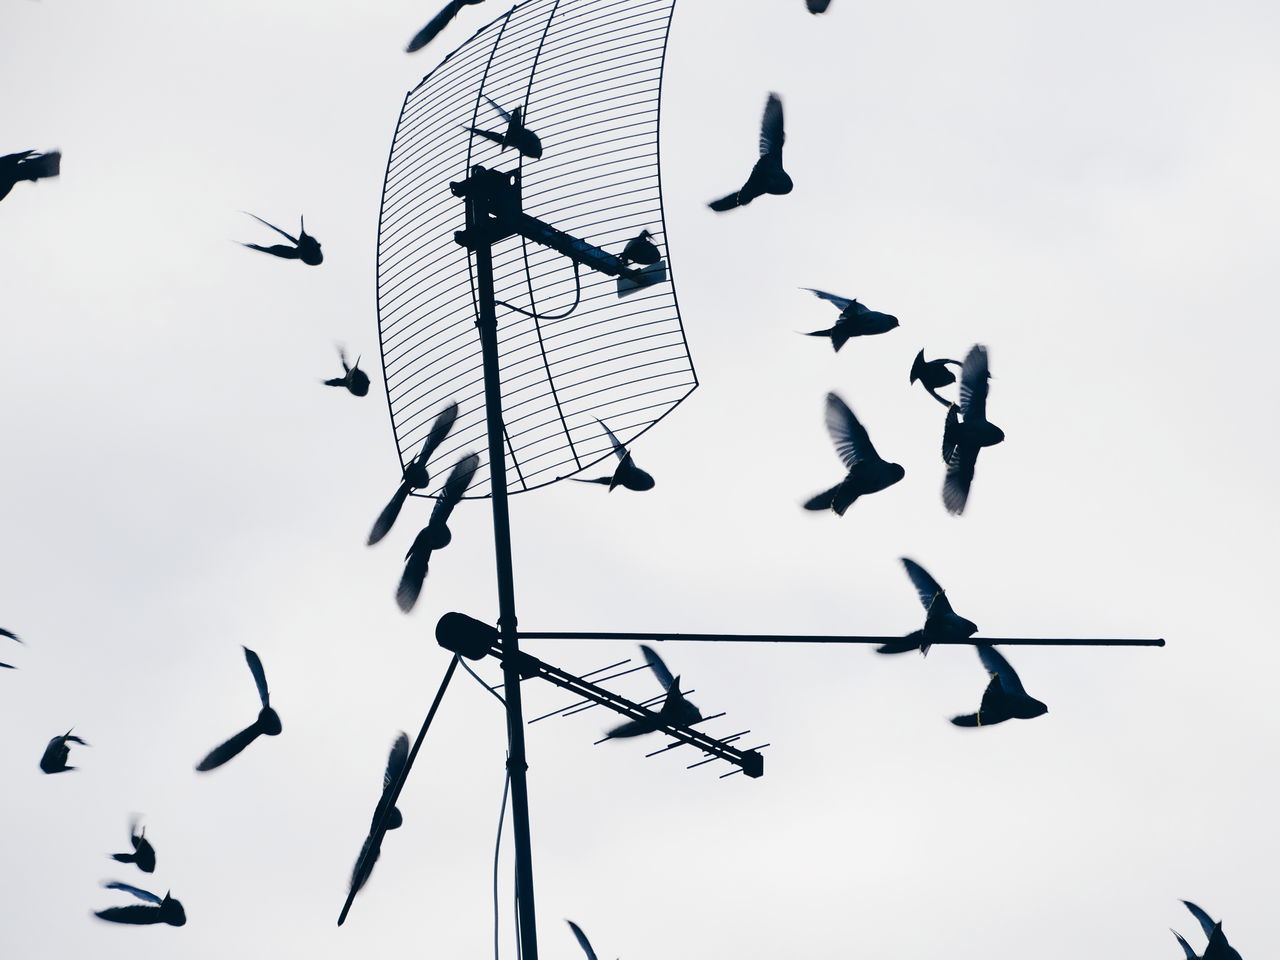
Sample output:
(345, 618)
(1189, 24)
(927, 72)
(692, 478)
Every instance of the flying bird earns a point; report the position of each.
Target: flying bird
(267, 724)
(1004, 699)
(353, 378)
(933, 374)
(12, 636)
(967, 430)
(435, 535)
(373, 842)
(767, 176)
(855, 320)
(166, 909)
(940, 622)
(437, 23)
(626, 473)
(583, 942)
(27, 165)
(1218, 947)
(304, 246)
(868, 473)
(144, 855)
(675, 710)
(516, 135)
(415, 475)
(56, 753)
(641, 249)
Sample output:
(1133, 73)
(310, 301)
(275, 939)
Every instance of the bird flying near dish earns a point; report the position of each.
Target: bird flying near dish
(436, 534)
(415, 475)
(165, 909)
(56, 753)
(868, 473)
(437, 23)
(940, 623)
(516, 135)
(933, 374)
(967, 430)
(641, 249)
(675, 710)
(626, 474)
(1005, 698)
(144, 855)
(372, 847)
(354, 379)
(855, 320)
(268, 722)
(767, 176)
(1218, 948)
(27, 165)
(303, 247)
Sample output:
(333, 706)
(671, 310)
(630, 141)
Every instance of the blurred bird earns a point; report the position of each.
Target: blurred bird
(767, 176)
(56, 753)
(437, 23)
(517, 135)
(583, 942)
(435, 535)
(27, 165)
(12, 636)
(940, 622)
(1004, 699)
(675, 710)
(1218, 947)
(166, 909)
(855, 320)
(144, 855)
(818, 6)
(416, 476)
(626, 474)
(305, 247)
(267, 724)
(933, 374)
(868, 473)
(641, 249)
(372, 848)
(967, 430)
(354, 379)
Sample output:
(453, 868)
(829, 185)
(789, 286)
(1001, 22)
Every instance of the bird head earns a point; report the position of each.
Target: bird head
(269, 721)
(439, 537)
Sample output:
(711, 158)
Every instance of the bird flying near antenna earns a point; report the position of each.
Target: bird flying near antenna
(267, 724)
(516, 136)
(56, 753)
(967, 430)
(868, 473)
(933, 374)
(436, 534)
(626, 474)
(855, 320)
(304, 246)
(767, 176)
(165, 910)
(940, 623)
(1005, 698)
(416, 476)
(372, 848)
(675, 710)
(354, 379)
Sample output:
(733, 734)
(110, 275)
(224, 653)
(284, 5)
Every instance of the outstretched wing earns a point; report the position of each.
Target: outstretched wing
(841, 302)
(927, 588)
(10, 634)
(225, 751)
(396, 761)
(850, 437)
(973, 383)
(1202, 918)
(259, 676)
(999, 667)
(439, 430)
(658, 667)
(435, 25)
(134, 914)
(287, 236)
(136, 891)
(503, 113)
(772, 135)
(583, 942)
(1186, 947)
(955, 488)
(455, 486)
(619, 450)
(387, 518)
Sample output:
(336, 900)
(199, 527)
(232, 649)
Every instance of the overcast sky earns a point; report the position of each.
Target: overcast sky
(1088, 189)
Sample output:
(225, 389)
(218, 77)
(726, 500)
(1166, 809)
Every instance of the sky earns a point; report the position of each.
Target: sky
(1088, 190)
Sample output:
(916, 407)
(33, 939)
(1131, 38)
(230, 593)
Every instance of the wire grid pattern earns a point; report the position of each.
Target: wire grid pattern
(587, 74)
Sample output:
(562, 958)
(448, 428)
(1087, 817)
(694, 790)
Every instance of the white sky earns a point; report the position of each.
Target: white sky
(1088, 189)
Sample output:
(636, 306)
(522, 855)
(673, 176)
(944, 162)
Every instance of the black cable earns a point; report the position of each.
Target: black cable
(497, 846)
(577, 298)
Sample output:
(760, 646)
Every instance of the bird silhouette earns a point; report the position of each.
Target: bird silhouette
(12, 636)
(933, 374)
(967, 430)
(56, 753)
(675, 711)
(583, 942)
(1004, 699)
(415, 476)
(166, 909)
(304, 246)
(767, 176)
(437, 23)
(435, 535)
(267, 724)
(353, 378)
(27, 165)
(940, 622)
(516, 136)
(641, 249)
(372, 847)
(1218, 948)
(855, 320)
(626, 473)
(868, 473)
(144, 855)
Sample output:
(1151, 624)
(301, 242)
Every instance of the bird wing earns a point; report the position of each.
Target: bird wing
(289, 237)
(772, 135)
(658, 667)
(841, 302)
(949, 431)
(927, 588)
(10, 634)
(259, 677)
(396, 760)
(999, 667)
(225, 751)
(387, 518)
(973, 383)
(132, 914)
(416, 562)
(955, 488)
(619, 450)
(583, 942)
(439, 430)
(435, 25)
(1186, 947)
(1202, 918)
(364, 864)
(501, 112)
(455, 486)
(136, 891)
(851, 440)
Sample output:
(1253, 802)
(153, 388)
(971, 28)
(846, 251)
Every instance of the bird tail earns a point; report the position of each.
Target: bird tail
(726, 203)
(45, 165)
(125, 857)
(822, 501)
(968, 720)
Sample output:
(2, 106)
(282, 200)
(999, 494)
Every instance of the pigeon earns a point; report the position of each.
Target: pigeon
(416, 476)
(437, 23)
(818, 6)
(305, 247)
(268, 722)
(933, 374)
(55, 755)
(940, 623)
(166, 909)
(516, 136)
(867, 472)
(641, 249)
(626, 474)
(583, 942)
(27, 165)
(12, 636)
(767, 176)
(373, 842)
(967, 430)
(144, 855)
(675, 711)
(855, 320)
(435, 535)
(1004, 698)
(354, 379)
(1218, 948)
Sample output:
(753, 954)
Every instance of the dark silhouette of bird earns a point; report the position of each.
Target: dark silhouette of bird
(940, 621)
(818, 6)
(144, 855)
(1004, 699)
(372, 847)
(268, 722)
(437, 23)
(166, 909)
(305, 247)
(967, 430)
(435, 535)
(626, 473)
(516, 136)
(1218, 947)
(675, 710)
(27, 165)
(641, 249)
(767, 176)
(868, 473)
(12, 636)
(933, 374)
(415, 475)
(56, 753)
(855, 320)
(583, 942)
(353, 378)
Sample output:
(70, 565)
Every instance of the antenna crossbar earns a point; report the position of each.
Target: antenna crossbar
(819, 638)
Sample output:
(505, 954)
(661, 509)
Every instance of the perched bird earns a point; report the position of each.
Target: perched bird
(868, 473)
(27, 165)
(437, 23)
(675, 709)
(435, 535)
(626, 473)
(940, 621)
(1004, 699)
(767, 176)
(967, 430)
(641, 249)
(56, 753)
(305, 247)
(144, 855)
(933, 374)
(12, 636)
(353, 378)
(166, 909)
(516, 136)
(267, 724)
(415, 475)
(855, 320)
(583, 942)
(373, 842)
(818, 6)
(1218, 947)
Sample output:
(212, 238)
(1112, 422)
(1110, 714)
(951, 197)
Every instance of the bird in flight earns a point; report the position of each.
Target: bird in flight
(437, 23)
(641, 249)
(516, 135)
(144, 855)
(868, 473)
(967, 430)
(767, 176)
(56, 753)
(675, 711)
(940, 622)
(304, 246)
(1004, 699)
(1218, 947)
(267, 724)
(27, 165)
(12, 636)
(855, 320)
(415, 475)
(372, 847)
(353, 378)
(435, 535)
(933, 374)
(165, 909)
(626, 473)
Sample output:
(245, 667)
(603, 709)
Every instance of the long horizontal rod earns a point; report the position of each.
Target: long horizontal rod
(807, 638)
